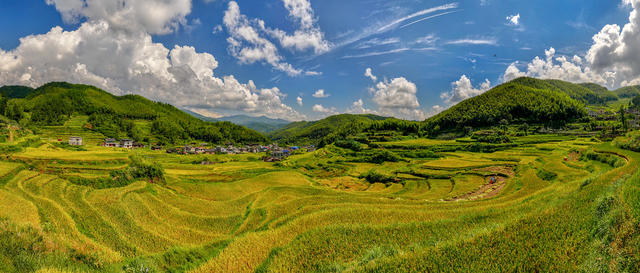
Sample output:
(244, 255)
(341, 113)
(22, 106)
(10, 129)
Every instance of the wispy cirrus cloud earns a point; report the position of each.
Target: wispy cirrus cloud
(399, 21)
(377, 53)
(377, 42)
(387, 52)
(469, 41)
(429, 17)
(383, 27)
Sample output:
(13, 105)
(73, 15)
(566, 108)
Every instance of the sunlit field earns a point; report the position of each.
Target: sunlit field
(533, 207)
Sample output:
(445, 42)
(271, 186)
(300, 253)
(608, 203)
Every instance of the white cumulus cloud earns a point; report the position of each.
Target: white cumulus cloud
(126, 60)
(358, 108)
(249, 38)
(248, 45)
(369, 74)
(325, 111)
(299, 100)
(320, 94)
(612, 60)
(398, 98)
(560, 67)
(462, 89)
(309, 35)
(152, 16)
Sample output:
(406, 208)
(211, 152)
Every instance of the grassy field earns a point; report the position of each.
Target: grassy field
(550, 208)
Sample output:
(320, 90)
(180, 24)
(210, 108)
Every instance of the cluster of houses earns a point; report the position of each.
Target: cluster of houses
(276, 153)
(123, 143)
(109, 142)
(204, 149)
(603, 115)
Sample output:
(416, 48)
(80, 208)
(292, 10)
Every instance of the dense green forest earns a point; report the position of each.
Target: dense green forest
(628, 92)
(113, 116)
(16, 91)
(586, 93)
(512, 102)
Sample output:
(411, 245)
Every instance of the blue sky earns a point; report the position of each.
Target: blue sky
(417, 51)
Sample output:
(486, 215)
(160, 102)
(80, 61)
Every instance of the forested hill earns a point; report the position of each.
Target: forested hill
(512, 102)
(311, 132)
(628, 92)
(588, 93)
(16, 91)
(113, 116)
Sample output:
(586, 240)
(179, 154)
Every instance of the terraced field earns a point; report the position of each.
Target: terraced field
(537, 207)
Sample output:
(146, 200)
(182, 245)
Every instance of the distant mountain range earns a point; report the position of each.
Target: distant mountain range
(261, 124)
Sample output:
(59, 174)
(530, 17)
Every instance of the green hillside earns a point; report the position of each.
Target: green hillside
(311, 132)
(513, 102)
(586, 93)
(628, 91)
(16, 91)
(133, 116)
(601, 91)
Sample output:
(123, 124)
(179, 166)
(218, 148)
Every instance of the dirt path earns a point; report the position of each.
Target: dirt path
(10, 133)
(487, 191)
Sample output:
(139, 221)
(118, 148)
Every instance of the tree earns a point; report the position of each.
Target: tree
(468, 130)
(3, 103)
(636, 102)
(504, 125)
(525, 128)
(623, 119)
(14, 111)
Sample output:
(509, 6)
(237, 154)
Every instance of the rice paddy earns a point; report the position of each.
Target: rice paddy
(534, 207)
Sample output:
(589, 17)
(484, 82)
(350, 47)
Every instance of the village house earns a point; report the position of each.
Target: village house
(75, 141)
(188, 149)
(254, 149)
(156, 148)
(126, 143)
(110, 142)
(138, 145)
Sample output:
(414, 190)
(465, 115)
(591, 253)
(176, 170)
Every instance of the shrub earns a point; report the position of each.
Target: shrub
(376, 177)
(629, 142)
(349, 144)
(611, 160)
(138, 169)
(546, 175)
(381, 156)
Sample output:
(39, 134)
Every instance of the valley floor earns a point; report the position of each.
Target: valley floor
(540, 206)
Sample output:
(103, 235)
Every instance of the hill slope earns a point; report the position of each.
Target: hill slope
(16, 91)
(628, 91)
(586, 93)
(113, 116)
(513, 102)
(311, 132)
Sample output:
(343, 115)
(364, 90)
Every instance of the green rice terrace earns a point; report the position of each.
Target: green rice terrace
(563, 204)
(378, 195)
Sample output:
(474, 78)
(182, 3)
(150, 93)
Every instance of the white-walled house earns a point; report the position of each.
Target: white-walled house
(75, 141)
